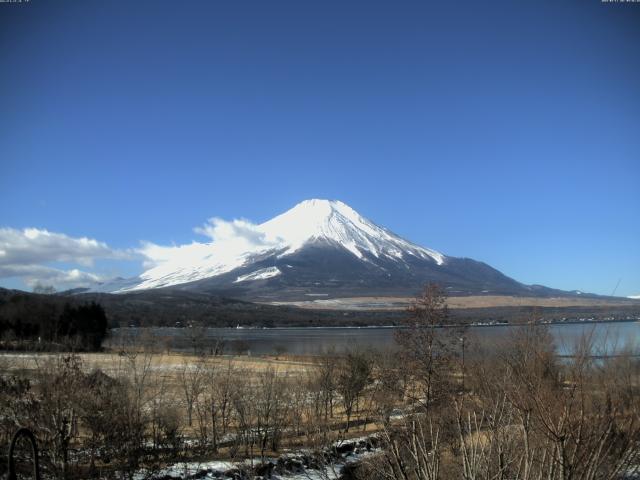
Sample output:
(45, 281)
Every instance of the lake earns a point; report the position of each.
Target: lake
(609, 337)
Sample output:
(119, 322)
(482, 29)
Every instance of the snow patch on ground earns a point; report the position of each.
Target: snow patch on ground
(301, 465)
(188, 469)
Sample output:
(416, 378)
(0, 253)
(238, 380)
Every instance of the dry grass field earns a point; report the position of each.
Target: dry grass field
(478, 301)
(167, 364)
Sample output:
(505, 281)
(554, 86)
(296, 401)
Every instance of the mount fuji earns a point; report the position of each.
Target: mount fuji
(319, 249)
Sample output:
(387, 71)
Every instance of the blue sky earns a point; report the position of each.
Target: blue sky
(504, 131)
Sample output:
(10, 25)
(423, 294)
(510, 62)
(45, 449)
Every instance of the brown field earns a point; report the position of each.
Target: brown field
(478, 301)
(168, 364)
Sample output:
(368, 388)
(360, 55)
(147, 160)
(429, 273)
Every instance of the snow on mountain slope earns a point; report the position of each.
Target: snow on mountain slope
(261, 274)
(308, 222)
(335, 221)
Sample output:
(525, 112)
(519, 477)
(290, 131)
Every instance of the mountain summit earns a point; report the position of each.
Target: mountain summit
(334, 221)
(319, 248)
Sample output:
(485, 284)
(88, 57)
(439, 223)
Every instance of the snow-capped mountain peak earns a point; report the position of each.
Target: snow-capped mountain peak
(335, 221)
(311, 222)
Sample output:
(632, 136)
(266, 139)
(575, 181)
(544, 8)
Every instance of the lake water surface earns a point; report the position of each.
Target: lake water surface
(608, 337)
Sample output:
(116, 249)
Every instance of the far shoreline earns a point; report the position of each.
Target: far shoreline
(361, 327)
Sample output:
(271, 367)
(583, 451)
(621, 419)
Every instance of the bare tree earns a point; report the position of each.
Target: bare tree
(214, 408)
(412, 449)
(354, 372)
(224, 387)
(244, 404)
(325, 381)
(426, 348)
(533, 417)
(60, 381)
(192, 376)
(271, 409)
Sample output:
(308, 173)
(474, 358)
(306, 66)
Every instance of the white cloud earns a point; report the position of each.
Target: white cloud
(34, 255)
(33, 275)
(155, 255)
(241, 230)
(228, 240)
(26, 254)
(34, 246)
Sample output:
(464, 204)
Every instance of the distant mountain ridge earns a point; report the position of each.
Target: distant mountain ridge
(323, 249)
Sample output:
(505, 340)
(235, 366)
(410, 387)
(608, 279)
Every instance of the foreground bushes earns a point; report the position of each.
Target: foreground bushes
(524, 415)
(520, 413)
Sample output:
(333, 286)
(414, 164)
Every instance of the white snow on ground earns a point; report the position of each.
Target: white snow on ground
(216, 469)
(631, 473)
(260, 274)
(186, 469)
(634, 297)
(240, 243)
